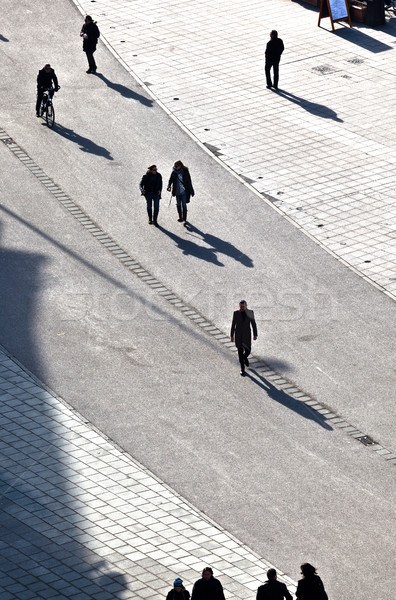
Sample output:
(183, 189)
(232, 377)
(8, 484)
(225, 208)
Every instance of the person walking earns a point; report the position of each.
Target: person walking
(273, 589)
(90, 34)
(151, 188)
(180, 185)
(242, 321)
(310, 587)
(273, 53)
(207, 588)
(46, 76)
(178, 592)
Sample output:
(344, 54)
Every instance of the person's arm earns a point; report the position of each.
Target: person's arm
(259, 593)
(188, 182)
(282, 47)
(253, 321)
(160, 184)
(141, 185)
(55, 80)
(170, 182)
(221, 591)
(97, 32)
(233, 326)
(286, 593)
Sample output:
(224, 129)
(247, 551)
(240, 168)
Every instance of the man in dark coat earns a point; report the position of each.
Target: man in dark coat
(273, 589)
(46, 76)
(151, 188)
(273, 53)
(242, 320)
(207, 588)
(90, 34)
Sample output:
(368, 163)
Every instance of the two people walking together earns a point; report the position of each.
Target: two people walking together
(179, 185)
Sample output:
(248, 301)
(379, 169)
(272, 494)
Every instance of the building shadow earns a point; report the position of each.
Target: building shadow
(319, 110)
(85, 144)
(220, 246)
(287, 401)
(126, 92)
(359, 38)
(192, 249)
(3, 39)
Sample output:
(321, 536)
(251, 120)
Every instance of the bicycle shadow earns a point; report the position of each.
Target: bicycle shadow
(125, 92)
(314, 108)
(85, 144)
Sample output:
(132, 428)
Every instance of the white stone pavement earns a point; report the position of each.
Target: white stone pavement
(82, 520)
(320, 149)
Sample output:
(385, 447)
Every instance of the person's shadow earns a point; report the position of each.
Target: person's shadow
(125, 92)
(84, 143)
(314, 108)
(193, 249)
(287, 401)
(219, 245)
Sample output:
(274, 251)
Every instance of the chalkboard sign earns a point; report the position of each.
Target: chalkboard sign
(337, 10)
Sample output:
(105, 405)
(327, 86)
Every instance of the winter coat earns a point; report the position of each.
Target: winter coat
(172, 183)
(210, 589)
(93, 33)
(311, 588)
(44, 79)
(151, 183)
(273, 590)
(274, 50)
(173, 595)
(240, 328)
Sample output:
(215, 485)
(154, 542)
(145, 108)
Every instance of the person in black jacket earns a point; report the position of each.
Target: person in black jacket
(273, 53)
(310, 587)
(46, 76)
(151, 188)
(180, 185)
(241, 321)
(178, 592)
(273, 589)
(207, 588)
(90, 34)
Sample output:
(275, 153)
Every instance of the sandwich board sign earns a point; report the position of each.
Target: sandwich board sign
(337, 10)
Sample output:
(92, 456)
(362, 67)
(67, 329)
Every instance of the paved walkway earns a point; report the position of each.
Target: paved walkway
(320, 149)
(82, 520)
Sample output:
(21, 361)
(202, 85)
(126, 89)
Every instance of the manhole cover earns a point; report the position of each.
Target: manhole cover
(356, 61)
(324, 69)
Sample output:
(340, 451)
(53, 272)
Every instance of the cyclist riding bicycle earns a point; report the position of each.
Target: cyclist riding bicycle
(45, 78)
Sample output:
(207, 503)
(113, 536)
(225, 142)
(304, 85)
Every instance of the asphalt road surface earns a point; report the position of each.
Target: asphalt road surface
(264, 467)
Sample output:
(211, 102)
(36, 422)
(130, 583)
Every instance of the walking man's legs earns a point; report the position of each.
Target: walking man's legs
(268, 73)
(156, 208)
(91, 62)
(149, 203)
(276, 74)
(241, 356)
(179, 208)
(38, 101)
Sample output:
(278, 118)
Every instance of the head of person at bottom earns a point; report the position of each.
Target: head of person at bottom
(207, 573)
(307, 570)
(273, 34)
(178, 584)
(272, 574)
(242, 305)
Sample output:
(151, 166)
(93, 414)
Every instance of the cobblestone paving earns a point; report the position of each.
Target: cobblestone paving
(82, 520)
(320, 149)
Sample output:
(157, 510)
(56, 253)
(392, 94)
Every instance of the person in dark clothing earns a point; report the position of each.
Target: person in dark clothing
(180, 185)
(46, 76)
(273, 53)
(151, 188)
(273, 589)
(207, 588)
(178, 592)
(90, 34)
(242, 320)
(310, 587)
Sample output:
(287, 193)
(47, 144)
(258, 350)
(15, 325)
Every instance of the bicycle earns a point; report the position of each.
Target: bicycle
(47, 106)
(390, 4)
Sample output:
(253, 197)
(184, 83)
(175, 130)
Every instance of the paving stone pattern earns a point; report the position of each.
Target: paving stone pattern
(82, 520)
(320, 149)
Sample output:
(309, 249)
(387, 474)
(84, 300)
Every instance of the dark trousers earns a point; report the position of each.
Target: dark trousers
(275, 65)
(152, 197)
(40, 93)
(243, 352)
(91, 60)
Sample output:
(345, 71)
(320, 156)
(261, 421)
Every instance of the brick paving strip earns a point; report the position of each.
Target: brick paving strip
(257, 366)
(82, 520)
(320, 152)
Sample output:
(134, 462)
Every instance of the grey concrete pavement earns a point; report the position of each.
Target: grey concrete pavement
(317, 319)
(102, 341)
(168, 395)
(320, 149)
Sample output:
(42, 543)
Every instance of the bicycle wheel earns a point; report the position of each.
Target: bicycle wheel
(50, 116)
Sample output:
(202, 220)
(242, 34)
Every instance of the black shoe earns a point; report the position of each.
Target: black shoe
(37, 114)
(155, 223)
(269, 87)
(243, 372)
(150, 221)
(89, 71)
(93, 72)
(246, 362)
(179, 220)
